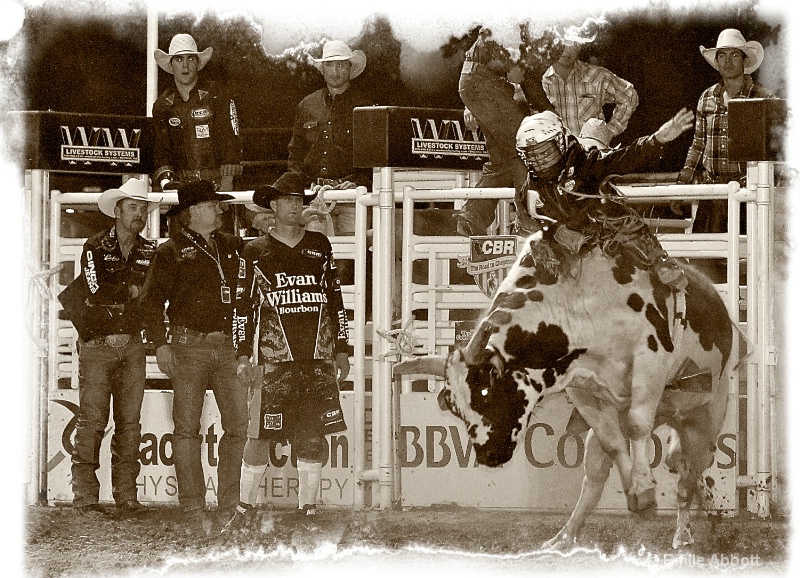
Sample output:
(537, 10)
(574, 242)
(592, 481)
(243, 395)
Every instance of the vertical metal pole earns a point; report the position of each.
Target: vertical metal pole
(752, 331)
(764, 469)
(383, 241)
(359, 346)
(152, 67)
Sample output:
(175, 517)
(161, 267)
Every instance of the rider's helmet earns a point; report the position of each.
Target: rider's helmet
(541, 144)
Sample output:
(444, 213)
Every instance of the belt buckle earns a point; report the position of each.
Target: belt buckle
(118, 340)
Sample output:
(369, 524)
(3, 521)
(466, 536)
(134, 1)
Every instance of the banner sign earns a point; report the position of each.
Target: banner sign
(61, 141)
(490, 258)
(434, 453)
(437, 463)
(392, 136)
(157, 482)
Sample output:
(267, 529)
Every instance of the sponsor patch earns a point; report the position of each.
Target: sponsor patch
(175, 121)
(199, 113)
(201, 131)
(311, 253)
(241, 268)
(273, 421)
(90, 273)
(188, 253)
(234, 119)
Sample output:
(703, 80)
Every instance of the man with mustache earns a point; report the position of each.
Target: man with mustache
(103, 305)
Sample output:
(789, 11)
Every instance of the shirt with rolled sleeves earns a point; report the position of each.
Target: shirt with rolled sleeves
(185, 273)
(104, 298)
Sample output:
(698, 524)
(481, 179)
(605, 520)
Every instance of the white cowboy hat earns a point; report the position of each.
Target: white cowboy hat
(578, 35)
(338, 50)
(182, 44)
(732, 38)
(131, 189)
(595, 134)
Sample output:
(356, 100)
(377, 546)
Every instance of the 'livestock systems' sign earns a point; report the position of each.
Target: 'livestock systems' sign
(82, 142)
(392, 136)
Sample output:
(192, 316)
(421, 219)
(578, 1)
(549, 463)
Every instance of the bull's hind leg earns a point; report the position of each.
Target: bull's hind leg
(646, 389)
(690, 453)
(596, 467)
(677, 464)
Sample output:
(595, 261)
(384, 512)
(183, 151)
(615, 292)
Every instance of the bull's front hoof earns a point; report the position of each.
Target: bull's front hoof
(683, 537)
(644, 500)
(561, 542)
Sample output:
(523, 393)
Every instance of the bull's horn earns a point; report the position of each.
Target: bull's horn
(477, 344)
(425, 365)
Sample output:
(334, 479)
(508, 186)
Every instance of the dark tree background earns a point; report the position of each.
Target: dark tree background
(88, 61)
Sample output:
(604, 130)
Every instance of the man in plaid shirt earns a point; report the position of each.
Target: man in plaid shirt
(579, 90)
(707, 159)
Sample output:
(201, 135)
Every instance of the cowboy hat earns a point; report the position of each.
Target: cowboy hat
(578, 35)
(131, 189)
(732, 38)
(595, 134)
(338, 50)
(196, 192)
(182, 44)
(289, 184)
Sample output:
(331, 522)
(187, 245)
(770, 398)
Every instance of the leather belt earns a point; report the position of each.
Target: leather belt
(113, 340)
(212, 337)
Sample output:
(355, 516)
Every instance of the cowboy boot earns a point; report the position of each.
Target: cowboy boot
(647, 248)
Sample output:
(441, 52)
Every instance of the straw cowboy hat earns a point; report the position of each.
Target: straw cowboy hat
(732, 38)
(289, 184)
(182, 44)
(595, 134)
(578, 35)
(196, 192)
(338, 50)
(131, 189)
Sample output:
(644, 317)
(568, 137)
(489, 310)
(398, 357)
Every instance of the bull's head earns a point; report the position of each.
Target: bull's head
(482, 391)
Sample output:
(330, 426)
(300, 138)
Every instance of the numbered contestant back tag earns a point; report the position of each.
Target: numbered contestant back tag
(225, 293)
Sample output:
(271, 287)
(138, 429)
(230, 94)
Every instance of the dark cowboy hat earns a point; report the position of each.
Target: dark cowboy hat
(196, 192)
(288, 185)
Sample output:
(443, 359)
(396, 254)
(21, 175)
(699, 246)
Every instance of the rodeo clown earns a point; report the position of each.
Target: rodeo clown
(568, 188)
(196, 125)
(103, 305)
(291, 293)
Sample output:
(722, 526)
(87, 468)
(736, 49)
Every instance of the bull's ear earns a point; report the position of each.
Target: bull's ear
(474, 350)
(424, 365)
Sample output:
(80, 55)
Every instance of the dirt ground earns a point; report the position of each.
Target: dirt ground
(417, 541)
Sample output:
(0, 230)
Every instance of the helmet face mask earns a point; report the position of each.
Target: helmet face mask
(541, 144)
(545, 159)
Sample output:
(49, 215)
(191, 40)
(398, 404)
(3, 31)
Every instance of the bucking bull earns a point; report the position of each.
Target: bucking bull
(631, 354)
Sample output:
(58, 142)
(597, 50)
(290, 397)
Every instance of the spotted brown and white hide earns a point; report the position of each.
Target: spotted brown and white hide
(624, 347)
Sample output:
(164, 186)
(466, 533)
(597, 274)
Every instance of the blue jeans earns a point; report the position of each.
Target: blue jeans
(202, 363)
(491, 99)
(108, 372)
